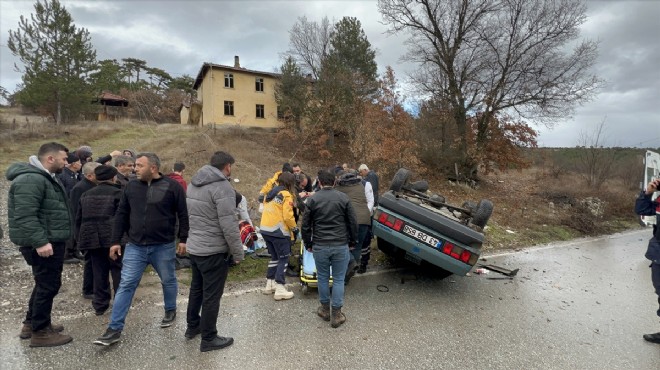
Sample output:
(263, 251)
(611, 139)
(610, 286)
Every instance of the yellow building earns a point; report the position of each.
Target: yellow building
(236, 96)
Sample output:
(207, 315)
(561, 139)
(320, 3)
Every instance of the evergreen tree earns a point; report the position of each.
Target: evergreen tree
(57, 57)
(291, 93)
(108, 76)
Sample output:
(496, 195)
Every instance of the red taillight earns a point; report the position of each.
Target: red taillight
(382, 218)
(447, 248)
(389, 222)
(398, 224)
(465, 256)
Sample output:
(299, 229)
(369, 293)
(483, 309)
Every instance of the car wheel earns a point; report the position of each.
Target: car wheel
(482, 213)
(400, 179)
(470, 206)
(437, 199)
(421, 186)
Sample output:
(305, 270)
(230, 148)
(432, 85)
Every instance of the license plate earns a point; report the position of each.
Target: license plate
(421, 236)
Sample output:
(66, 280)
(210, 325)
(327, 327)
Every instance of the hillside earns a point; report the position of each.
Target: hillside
(532, 206)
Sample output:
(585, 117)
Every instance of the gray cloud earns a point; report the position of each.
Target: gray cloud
(178, 36)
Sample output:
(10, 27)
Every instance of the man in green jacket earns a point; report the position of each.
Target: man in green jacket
(40, 224)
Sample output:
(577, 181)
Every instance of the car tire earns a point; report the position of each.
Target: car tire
(470, 206)
(437, 198)
(400, 179)
(482, 213)
(421, 186)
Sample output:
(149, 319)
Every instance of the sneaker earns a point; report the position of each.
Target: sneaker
(88, 296)
(362, 269)
(168, 320)
(110, 336)
(48, 338)
(192, 332)
(215, 343)
(653, 338)
(26, 330)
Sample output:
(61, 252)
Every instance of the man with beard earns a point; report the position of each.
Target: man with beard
(214, 240)
(148, 211)
(125, 166)
(40, 223)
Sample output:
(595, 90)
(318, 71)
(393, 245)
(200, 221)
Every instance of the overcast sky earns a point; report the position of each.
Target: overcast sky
(178, 36)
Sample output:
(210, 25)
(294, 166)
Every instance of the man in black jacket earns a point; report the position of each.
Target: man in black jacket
(94, 224)
(88, 182)
(69, 177)
(148, 212)
(646, 206)
(329, 227)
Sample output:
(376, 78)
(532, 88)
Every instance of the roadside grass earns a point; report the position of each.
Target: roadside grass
(536, 205)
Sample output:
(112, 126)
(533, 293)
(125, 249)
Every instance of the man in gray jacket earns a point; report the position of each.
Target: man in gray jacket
(213, 240)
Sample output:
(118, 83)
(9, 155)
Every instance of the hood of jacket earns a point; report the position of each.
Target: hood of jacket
(21, 168)
(206, 175)
(273, 192)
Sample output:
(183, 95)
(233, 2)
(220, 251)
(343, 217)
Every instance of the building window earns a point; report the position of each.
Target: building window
(229, 80)
(229, 108)
(260, 111)
(259, 84)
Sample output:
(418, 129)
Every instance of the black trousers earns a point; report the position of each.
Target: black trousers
(88, 275)
(103, 268)
(655, 278)
(209, 274)
(47, 272)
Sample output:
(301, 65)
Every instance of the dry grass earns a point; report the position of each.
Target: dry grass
(521, 198)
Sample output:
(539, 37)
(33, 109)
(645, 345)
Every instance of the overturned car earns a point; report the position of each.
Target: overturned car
(423, 228)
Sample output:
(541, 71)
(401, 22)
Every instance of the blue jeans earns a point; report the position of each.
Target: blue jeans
(336, 257)
(136, 258)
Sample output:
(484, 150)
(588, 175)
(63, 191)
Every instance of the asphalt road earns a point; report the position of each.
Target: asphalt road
(578, 305)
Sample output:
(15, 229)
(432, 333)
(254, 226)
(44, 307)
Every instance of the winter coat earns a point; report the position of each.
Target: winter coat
(270, 184)
(69, 179)
(212, 211)
(38, 208)
(644, 206)
(178, 178)
(76, 193)
(96, 215)
(148, 213)
(329, 219)
(355, 190)
(277, 219)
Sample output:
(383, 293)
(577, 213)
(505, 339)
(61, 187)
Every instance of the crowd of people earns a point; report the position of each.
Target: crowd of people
(119, 213)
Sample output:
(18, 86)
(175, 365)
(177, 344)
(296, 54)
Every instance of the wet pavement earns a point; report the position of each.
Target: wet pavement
(578, 305)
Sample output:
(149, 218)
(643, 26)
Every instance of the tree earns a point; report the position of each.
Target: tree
(351, 51)
(310, 44)
(292, 94)
(342, 62)
(492, 56)
(593, 162)
(384, 136)
(56, 58)
(108, 76)
(134, 65)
